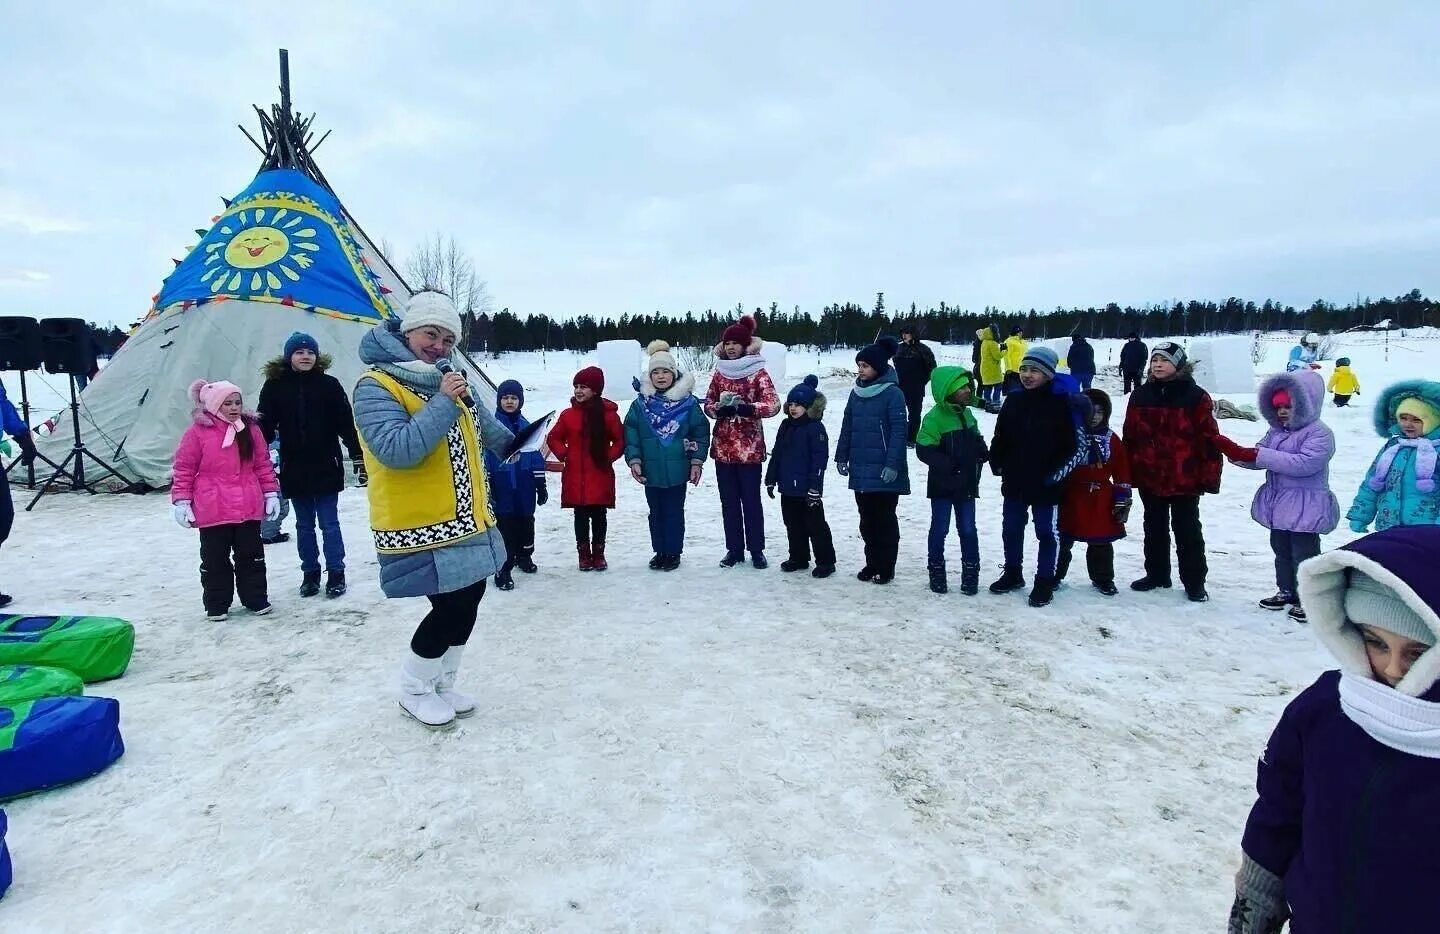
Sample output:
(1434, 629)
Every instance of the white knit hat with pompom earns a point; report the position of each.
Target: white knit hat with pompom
(661, 358)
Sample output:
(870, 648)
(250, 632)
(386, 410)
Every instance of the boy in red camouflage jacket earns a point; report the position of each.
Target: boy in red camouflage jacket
(1170, 434)
(741, 393)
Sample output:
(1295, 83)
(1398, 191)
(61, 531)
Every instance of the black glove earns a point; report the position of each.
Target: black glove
(770, 490)
(724, 411)
(362, 477)
(27, 449)
(1121, 511)
(542, 493)
(812, 498)
(745, 410)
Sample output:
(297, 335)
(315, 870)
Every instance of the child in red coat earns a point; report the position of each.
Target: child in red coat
(587, 439)
(1096, 500)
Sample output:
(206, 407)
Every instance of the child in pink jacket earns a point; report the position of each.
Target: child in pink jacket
(223, 485)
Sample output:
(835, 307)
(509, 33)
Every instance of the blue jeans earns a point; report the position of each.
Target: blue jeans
(667, 519)
(740, 507)
(272, 530)
(964, 510)
(990, 393)
(325, 508)
(1017, 514)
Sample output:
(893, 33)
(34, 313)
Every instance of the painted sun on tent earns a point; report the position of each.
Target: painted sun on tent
(258, 248)
(283, 240)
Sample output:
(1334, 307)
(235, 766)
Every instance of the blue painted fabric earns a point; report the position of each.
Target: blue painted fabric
(283, 239)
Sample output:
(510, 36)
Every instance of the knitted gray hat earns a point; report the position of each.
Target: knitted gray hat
(1170, 351)
(1041, 358)
(1370, 603)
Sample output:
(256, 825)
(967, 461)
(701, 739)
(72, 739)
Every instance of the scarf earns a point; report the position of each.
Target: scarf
(231, 428)
(1404, 723)
(665, 414)
(1099, 445)
(744, 368)
(872, 389)
(1425, 458)
(416, 374)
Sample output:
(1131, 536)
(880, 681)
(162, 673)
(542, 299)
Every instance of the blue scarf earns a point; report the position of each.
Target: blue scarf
(514, 422)
(1099, 445)
(665, 415)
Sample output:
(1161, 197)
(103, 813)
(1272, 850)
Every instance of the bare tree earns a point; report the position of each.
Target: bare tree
(440, 263)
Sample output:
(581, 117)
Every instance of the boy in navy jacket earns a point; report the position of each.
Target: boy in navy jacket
(515, 489)
(797, 467)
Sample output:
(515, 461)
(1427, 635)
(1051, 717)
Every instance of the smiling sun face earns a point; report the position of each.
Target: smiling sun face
(257, 248)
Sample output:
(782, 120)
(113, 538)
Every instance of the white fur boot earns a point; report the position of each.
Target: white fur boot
(462, 704)
(417, 692)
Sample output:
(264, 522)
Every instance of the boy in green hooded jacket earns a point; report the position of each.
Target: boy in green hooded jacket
(951, 445)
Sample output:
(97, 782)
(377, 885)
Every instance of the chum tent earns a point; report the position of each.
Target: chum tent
(284, 256)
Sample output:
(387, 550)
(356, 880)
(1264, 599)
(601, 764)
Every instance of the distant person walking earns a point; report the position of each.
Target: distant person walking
(914, 362)
(1081, 361)
(1134, 357)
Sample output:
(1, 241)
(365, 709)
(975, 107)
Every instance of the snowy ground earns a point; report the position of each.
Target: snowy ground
(706, 750)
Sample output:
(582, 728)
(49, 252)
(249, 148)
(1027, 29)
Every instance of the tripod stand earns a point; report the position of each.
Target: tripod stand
(25, 416)
(72, 468)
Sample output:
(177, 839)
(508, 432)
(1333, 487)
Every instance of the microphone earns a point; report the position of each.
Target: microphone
(445, 366)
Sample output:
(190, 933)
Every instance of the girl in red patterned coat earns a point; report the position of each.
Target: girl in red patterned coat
(741, 393)
(1096, 499)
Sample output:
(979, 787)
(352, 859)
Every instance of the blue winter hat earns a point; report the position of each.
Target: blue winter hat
(879, 353)
(510, 387)
(299, 340)
(805, 392)
(1041, 358)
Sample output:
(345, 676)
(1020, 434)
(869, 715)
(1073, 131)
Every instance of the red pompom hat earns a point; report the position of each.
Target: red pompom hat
(591, 376)
(740, 332)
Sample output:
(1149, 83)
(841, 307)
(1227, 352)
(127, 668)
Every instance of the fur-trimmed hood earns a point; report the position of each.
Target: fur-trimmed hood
(1401, 558)
(1307, 397)
(683, 386)
(279, 366)
(1384, 418)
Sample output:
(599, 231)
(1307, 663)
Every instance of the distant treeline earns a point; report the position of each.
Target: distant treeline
(849, 324)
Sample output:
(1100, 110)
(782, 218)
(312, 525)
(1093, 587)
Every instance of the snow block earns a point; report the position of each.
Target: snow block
(94, 647)
(1223, 365)
(28, 682)
(5, 872)
(774, 355)
(54, 741)
(621, 362)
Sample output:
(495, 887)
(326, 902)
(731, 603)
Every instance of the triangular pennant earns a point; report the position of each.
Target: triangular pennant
(385, 291)
(287, 300)
(228, 202)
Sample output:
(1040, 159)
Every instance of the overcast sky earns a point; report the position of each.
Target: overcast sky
(624, 157)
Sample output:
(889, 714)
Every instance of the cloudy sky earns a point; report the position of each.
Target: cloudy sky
(623, 157)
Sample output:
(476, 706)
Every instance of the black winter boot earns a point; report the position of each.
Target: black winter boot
(790, 565)
(970, 578)
(310, 584)
(938, 583)
(1147, 583)
(1011, 579)
(503, 580)
(1043, 591)
(335, 584)
(526, 564)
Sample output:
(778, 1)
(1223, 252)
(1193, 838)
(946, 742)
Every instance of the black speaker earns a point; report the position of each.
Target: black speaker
(20, 344)
(67, 346)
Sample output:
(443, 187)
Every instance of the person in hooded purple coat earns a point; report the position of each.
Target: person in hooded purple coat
(1295, 503)
(1342, 836)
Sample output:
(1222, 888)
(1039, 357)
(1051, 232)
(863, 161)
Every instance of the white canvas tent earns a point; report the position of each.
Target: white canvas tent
(284, 256)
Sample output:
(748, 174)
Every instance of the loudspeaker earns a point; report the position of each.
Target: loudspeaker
(67, 345)
(20, 344)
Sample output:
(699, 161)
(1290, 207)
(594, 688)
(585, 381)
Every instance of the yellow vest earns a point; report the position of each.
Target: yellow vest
(441, 500)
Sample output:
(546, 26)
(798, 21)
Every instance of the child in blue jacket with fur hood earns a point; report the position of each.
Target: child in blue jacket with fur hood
(797, 468)
(1402, 486)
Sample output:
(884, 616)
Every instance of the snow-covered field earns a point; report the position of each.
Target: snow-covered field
(731, 750)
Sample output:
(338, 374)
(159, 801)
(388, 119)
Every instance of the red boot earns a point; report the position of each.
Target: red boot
(587, 560)
(597, 560)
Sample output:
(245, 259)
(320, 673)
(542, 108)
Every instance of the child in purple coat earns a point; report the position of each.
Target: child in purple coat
(1295, 502)
(1342, 837)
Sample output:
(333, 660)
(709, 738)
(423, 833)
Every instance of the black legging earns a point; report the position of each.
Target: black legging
(590, 525)
(449, 622)
(879, 530)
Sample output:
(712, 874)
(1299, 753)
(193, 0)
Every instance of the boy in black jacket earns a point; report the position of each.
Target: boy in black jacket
(1036, 444)
(797, 467)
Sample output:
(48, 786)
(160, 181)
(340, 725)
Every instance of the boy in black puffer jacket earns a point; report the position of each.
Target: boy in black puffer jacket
(1037, 443)
(797, 467)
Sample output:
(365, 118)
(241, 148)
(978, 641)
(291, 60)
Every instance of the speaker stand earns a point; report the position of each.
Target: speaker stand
(25, 416)
(72, 468)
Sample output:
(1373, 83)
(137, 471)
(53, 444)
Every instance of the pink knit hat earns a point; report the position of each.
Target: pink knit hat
(210, 396)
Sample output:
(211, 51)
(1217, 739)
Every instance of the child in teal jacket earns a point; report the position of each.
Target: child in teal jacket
(666, 440)
(1401, 488)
